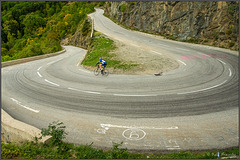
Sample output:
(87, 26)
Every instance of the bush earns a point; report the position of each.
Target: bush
(57, 131)
(123, 7)
(9, 151)
(118, 153)
(86, 28)
(87, 152)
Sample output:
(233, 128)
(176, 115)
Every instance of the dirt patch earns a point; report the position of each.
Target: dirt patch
(141, 61)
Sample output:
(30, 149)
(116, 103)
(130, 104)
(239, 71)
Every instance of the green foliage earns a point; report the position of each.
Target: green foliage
(210, 155)
(57, 131)
(33, 150)
(101, 3)
(132, 2)
(35, 28)
(101, 47)
(231, 44)
(86, 28)
(123, 7)
(233, 7)
(9, 151)
(192, 40)
(32, 22)
(118, 153)
(88, 152)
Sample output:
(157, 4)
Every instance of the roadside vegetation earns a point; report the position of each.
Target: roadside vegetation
(35, 28)
(102, 46)
(57, 149)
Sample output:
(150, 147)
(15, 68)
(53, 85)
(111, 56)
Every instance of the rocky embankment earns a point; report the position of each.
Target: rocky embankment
(212, 23)
(82, 37)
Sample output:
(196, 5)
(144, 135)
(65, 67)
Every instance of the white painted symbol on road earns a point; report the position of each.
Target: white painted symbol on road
(101, 131)
(171, 145)
(134, 134)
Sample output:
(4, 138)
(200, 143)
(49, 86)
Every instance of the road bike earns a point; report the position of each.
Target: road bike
(97, 71)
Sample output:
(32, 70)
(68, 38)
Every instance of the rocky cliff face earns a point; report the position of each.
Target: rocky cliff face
(213, 23)
(82, 36)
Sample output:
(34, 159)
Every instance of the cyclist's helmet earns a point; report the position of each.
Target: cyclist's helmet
(100, 59)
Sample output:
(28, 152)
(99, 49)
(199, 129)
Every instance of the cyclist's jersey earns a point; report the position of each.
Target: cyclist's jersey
(102, 61)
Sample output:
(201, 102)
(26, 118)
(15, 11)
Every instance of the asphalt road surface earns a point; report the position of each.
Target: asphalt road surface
(194, 107)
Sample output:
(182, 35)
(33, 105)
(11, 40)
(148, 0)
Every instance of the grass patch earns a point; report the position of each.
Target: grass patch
(57, 149)
(101, 46)
(32, 150)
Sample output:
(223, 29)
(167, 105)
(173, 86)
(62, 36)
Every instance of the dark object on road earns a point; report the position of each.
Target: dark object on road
(158, 74)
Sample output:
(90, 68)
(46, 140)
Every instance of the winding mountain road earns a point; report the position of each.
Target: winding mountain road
(194, 107)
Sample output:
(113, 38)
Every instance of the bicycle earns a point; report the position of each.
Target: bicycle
(103, 72)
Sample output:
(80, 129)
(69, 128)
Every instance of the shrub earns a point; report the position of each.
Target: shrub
(118, 153)
(57, 131)
(123, 7)
(9, 151)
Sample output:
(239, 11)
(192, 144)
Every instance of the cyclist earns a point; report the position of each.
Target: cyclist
(102, 63)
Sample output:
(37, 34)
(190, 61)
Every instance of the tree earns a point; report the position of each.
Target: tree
(10, 26)
(32, 22)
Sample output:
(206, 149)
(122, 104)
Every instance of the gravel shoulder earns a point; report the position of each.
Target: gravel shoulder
(143, 61)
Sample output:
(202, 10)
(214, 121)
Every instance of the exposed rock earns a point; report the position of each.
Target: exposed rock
(82, 36)
(207, 22)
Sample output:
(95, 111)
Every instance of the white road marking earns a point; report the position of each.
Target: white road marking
(39, 74)
(182, 49)
(51, 82)
(107, 126)
(83, 91)
(84, 71)
(230, 72)
(91, 92)
(173, 148)
(203, 54)
(133, 95)
(39, 68)
(163, 45)
(19, 103)
(221, 61)
(204, 88)
(156, 52)
(182, 62)
(74, 89)
(51, 62)
(54, 61)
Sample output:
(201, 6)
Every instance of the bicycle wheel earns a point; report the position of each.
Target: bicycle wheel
(106, 73)
(96, 72)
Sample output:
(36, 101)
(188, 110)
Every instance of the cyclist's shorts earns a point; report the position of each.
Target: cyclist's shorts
(104, 65)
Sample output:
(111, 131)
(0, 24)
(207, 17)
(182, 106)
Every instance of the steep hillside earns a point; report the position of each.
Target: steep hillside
(82, 36)
(35, 28)
(213, 23)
